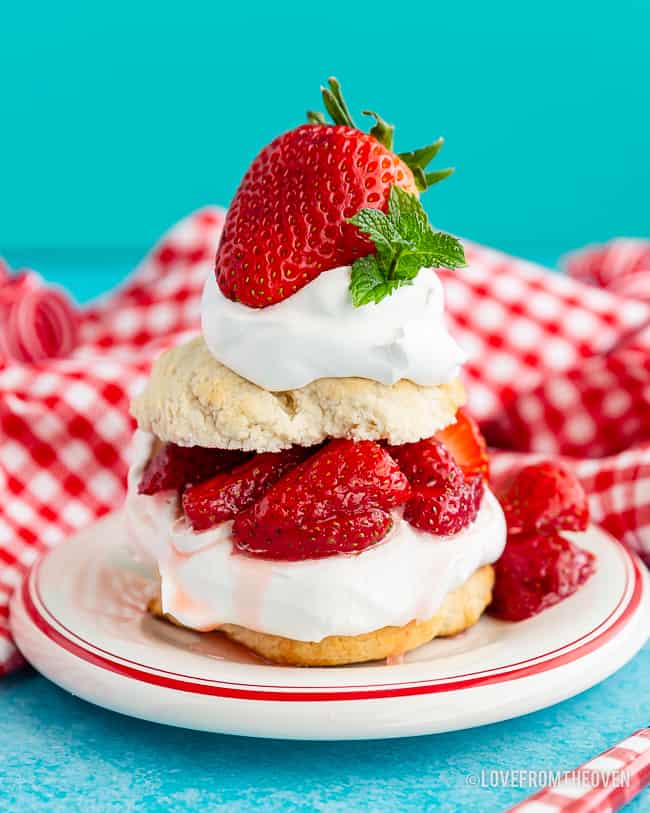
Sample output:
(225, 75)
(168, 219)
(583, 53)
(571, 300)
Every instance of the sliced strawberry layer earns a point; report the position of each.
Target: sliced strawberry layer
(174, 467)
(224, 496)
(537, 571)
(335, 502)
(306, 503)
(447, 508)
(466, 444)
(545, 496)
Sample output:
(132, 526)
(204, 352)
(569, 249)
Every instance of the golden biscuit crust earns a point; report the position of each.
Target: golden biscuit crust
(460, 610)
(192, 399)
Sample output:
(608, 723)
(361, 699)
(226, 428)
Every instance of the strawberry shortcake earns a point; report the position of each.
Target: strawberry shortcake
(305, 476)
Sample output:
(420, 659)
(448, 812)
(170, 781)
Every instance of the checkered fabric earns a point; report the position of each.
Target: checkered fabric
(559, 367)
(602, 785)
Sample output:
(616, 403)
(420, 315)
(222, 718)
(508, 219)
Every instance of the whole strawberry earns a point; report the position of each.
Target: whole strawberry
(545, 496)
(337, 501)
(537, 571)
(299, 211)
(539, 567)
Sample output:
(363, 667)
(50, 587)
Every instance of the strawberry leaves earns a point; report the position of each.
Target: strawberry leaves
(334, 104)
(416, 160)
(405, 243)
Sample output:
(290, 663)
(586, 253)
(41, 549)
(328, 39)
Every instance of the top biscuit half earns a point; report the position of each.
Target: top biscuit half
(193, 400)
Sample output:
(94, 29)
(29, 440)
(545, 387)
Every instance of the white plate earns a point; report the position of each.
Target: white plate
(79, 620)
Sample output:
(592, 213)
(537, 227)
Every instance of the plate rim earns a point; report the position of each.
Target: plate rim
(246, 691)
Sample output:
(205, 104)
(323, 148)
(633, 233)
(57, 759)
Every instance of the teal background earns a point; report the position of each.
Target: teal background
(119, 118)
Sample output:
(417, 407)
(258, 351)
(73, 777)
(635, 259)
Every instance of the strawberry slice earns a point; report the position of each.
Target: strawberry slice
(224, 496)
(337, 501)
(174, 467)
(545, 496)
(426, 462)
(444, 501)
(467, 445)
(445, 508)
(535, 572)
(347, 533)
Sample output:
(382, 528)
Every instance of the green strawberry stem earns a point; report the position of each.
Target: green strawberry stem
(440, 175)
(416, 160)
(335, 103)
(315, 117)
(421, 157)
(382, 131)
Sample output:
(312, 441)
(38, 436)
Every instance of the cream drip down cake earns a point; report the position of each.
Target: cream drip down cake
(305, 476)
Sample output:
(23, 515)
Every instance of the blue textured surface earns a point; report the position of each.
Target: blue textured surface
(60, 754)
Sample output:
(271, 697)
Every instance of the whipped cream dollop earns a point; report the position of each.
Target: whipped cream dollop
(318, 333)
(205, 583)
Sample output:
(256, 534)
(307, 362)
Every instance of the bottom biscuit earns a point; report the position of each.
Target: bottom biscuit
(460, 610)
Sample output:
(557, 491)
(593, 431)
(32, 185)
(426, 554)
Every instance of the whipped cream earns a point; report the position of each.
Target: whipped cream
(205, 583)
(318, 333)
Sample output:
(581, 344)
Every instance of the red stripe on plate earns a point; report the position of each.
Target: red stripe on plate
(315, 694)
(85, 644)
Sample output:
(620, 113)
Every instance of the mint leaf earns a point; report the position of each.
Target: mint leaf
(379, 228)
(406, 212)
(440, 250)
(405, 242)
(368, 281)
(407, 266)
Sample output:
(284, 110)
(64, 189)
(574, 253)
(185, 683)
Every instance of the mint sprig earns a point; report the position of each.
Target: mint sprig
(405, 243)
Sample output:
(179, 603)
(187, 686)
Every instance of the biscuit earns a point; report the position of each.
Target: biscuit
(192, 399)
(461, 609)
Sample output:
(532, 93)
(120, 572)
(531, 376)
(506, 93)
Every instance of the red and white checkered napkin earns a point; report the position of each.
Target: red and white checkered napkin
(554, 370)
(602, 785)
